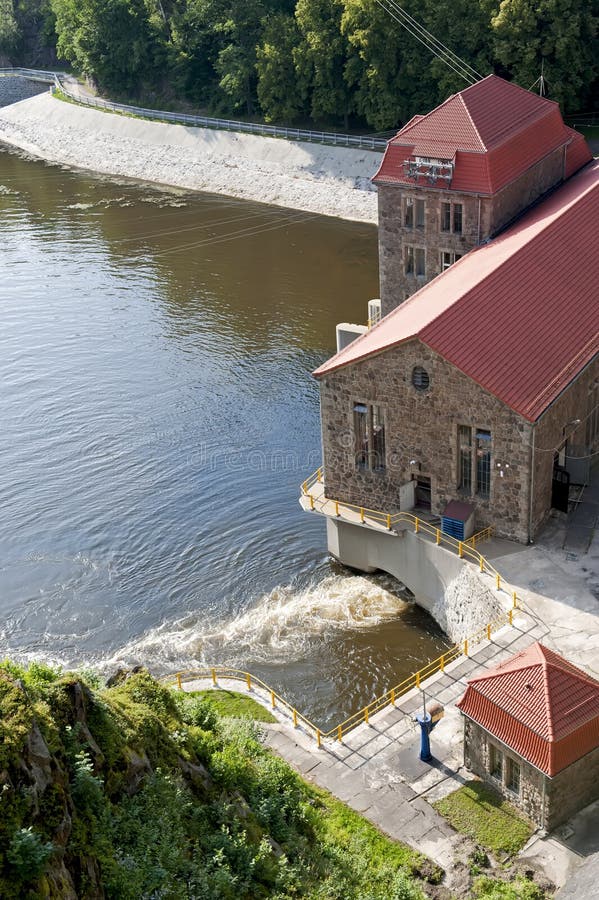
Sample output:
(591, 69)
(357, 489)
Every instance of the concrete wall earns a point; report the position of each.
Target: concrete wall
(423, 426)
(547, 801)
(450, 589)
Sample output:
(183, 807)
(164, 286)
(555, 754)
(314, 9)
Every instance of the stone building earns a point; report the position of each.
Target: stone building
(531, 731)
(452, 179)
(478, 387)
(483, 386)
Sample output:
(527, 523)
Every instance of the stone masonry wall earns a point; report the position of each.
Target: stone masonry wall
(423, 426)
(395, 285)
(551, 431)
(483, 217)
(476, 757)
(572, 789)
(547, 801)
(519, 195)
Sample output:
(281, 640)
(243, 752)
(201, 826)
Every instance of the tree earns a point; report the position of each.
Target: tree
(388, 69)
(321, 57)
(9, 30)
(117, 42)
(281, 95)
(556, 37)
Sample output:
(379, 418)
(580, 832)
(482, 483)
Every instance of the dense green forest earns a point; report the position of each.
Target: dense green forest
(298, 60)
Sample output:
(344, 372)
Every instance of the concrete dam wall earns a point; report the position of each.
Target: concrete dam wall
(13, 89)
(453, 591)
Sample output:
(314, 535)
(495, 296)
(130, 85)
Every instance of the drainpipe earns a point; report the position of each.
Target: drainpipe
(531, 483)
(478, 235)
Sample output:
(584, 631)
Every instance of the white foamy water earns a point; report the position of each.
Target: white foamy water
(278, 628)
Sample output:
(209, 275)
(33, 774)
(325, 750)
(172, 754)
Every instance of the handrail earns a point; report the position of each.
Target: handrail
(388, 520)
(336, 139)
(480, 536)
(363, 715)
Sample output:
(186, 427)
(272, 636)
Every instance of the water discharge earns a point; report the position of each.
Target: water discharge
(158, 415)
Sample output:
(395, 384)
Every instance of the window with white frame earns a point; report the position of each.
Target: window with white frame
(448, 258)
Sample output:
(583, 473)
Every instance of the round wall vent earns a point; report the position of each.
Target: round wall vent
(420, 378)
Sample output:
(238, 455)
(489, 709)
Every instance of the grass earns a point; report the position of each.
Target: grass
(492, 822)
(230, 704)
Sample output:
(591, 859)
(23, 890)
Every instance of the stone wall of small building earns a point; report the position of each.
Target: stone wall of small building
(422, 426)
(572, 789)
(546, 801)
(531, 799)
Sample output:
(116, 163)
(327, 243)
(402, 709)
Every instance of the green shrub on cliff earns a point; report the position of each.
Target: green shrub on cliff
(134, 792)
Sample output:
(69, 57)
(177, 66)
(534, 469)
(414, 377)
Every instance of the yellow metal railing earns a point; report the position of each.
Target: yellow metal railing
(223, 673)
(367, 516)
(485, 535)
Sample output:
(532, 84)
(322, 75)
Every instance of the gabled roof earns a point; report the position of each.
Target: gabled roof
(492, 131)
(539, 705)
(519, 315)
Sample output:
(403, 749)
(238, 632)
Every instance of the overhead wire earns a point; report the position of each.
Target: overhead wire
(440, 46)
(461, 68)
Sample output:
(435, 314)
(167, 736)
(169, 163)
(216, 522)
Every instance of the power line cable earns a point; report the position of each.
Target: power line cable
(441, 47)
(452, 61)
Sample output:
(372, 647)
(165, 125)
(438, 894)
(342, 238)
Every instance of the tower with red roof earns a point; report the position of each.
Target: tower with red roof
(452, 179)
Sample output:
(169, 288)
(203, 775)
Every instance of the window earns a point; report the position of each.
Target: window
(415, 261)
(361, 435)
(419, 213)
(451, 217)
(592, 430)
(448, 257)
(409, 213)
(369, 437)
(457, 218)
(420, 378)
(495, 762)
(512, 775)
(465, 458)
(483, 462)
(446, 217)
(378, 439)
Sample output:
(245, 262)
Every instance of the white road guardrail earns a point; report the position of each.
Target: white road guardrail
(332, 138)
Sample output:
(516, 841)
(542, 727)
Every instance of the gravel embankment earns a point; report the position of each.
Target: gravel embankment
(13, 89)
(332, 181)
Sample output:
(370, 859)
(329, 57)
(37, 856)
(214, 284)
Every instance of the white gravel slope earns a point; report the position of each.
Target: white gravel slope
(332, 181)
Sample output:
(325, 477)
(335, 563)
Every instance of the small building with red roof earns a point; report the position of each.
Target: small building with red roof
(483, 386)
(531, 731)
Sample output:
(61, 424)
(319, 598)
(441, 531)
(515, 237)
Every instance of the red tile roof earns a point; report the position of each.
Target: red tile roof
(492, 131)
(519, 315)
(539, 705)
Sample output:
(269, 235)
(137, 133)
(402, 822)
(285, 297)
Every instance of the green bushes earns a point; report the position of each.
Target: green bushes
(148, 793)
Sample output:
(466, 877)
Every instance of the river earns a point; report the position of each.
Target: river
(158, 416)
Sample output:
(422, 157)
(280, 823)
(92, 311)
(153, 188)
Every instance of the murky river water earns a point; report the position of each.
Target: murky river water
(158, 415)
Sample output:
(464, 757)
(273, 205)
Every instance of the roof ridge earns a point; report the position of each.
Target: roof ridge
(476, 131)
